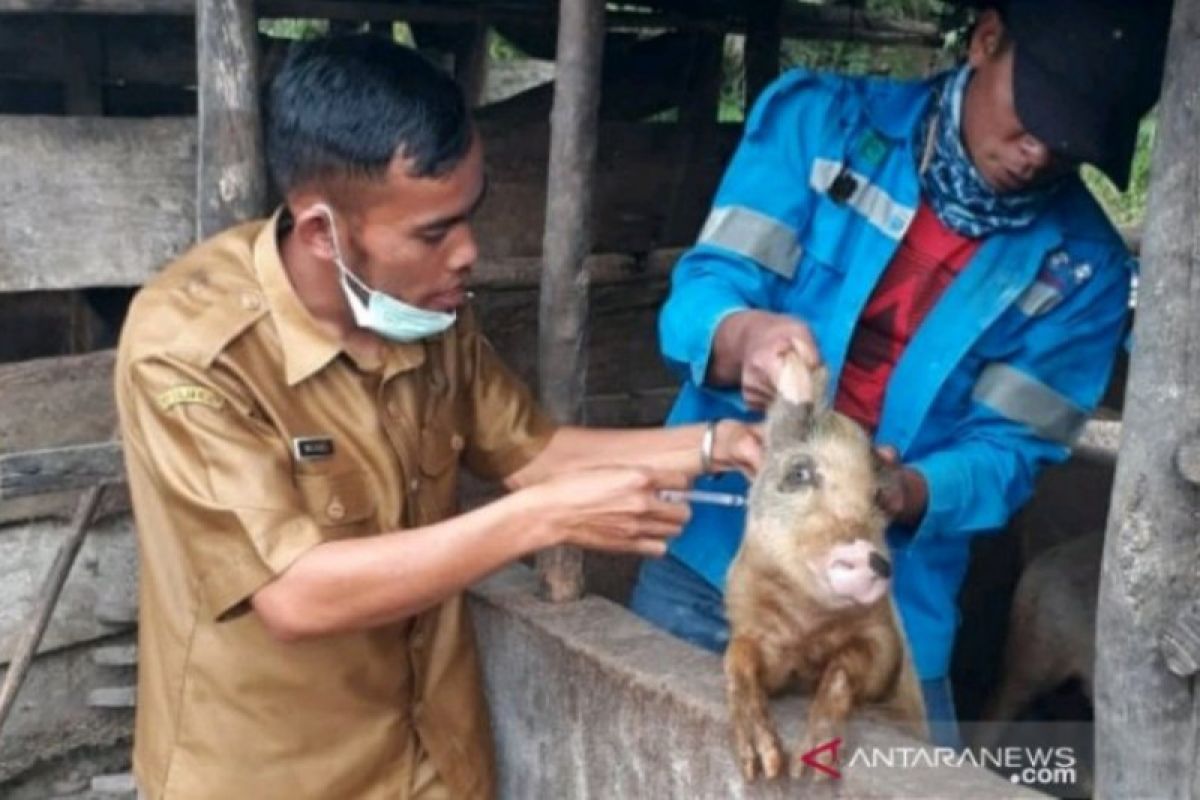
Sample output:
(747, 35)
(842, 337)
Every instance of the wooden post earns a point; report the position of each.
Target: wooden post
(698, 126)
(763, 43)
(1146, 717)
(471, 60)
(563, 311)
(231, 175)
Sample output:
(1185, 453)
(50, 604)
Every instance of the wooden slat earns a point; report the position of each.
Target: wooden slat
(112, 697)
(118, 783)
(92, 201)
(52, 402)
(60, 469)
(115, 655)
(55, 402)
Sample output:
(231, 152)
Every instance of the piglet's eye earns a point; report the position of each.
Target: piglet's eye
(800, 474)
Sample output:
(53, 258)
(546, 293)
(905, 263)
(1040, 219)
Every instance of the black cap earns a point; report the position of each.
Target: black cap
(1085, 72)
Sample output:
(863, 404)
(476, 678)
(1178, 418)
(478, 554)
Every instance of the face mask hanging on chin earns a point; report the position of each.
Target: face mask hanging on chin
(390, 317)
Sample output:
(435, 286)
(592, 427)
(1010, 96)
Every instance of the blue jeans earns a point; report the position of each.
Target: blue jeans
(671, 596)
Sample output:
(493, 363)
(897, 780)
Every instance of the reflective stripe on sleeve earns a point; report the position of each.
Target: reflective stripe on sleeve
(752, 234)
(1024, 399)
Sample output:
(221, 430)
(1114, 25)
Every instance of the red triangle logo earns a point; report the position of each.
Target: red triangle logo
(830, 768)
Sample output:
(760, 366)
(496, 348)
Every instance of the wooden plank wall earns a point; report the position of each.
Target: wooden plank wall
(95, 201)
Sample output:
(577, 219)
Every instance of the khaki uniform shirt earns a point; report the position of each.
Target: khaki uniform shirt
(250, 437)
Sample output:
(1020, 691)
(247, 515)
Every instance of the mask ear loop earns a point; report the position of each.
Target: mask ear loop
(338, 260)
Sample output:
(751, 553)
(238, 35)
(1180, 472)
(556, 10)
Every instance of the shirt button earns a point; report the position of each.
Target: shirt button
(250, 301)
(414, 485)
(456, 442)
(335, 509)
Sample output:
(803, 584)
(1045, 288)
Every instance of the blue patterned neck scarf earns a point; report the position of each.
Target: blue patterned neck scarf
(957, 192)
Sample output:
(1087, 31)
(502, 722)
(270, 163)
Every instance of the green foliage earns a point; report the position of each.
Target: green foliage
(1127, 208)
(293, 28)
(501, 49)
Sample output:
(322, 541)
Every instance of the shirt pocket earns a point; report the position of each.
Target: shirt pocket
(342, 503)
(441, 448)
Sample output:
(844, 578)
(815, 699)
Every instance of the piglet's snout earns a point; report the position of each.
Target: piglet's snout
(858, 572)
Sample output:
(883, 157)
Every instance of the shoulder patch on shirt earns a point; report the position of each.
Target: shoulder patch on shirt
(182, 395)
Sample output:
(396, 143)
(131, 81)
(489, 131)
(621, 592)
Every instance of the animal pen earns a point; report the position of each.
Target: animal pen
(131, 129)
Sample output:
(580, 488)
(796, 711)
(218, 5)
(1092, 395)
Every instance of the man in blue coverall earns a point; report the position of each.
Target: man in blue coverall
(932, 243)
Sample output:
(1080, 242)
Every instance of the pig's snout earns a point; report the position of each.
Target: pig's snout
(857, 572)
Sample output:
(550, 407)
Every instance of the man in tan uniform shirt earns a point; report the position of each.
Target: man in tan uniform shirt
(296, 397)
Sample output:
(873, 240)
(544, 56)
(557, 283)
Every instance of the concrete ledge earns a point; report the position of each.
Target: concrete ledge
(589, 701)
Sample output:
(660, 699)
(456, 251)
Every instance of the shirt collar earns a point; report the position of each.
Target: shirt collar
(307, 347)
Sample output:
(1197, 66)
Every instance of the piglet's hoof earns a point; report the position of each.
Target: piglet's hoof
(757, 745)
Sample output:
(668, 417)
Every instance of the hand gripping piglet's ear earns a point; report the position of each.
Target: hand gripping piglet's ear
(808, 597)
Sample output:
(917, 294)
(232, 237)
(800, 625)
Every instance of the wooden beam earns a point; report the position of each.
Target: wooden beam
(800, 20)
(60, 469)
(1146, 717)
(231, 175)
(562, 317)
(169, 7)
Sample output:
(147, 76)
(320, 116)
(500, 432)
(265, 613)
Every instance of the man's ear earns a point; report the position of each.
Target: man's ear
(313, 228)
(987, 38)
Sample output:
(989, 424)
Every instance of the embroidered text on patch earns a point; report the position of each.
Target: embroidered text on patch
(179, 395)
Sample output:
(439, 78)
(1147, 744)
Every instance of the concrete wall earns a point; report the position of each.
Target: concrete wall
(590, 702)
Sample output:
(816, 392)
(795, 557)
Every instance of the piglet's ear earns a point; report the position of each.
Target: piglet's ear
(795, 380)
(799, 390)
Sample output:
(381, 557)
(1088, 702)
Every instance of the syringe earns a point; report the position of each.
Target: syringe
(728, 499)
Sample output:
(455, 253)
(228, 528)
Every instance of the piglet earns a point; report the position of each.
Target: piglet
(808, 595)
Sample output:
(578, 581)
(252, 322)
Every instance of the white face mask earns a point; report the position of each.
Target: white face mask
(390, 317)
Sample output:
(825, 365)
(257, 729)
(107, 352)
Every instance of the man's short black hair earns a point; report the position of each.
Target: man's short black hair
(343, 107)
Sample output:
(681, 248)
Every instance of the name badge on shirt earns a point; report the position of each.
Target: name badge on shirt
(312, 448)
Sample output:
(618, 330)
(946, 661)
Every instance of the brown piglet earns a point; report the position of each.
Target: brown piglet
(808, 595)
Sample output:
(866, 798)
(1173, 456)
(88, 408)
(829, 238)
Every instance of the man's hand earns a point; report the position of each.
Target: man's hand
(749, 350)
(614, 509)
(903, 494)
(738, 445)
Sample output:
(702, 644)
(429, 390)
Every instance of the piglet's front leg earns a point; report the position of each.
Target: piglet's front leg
(831, 705)
(754, 738)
